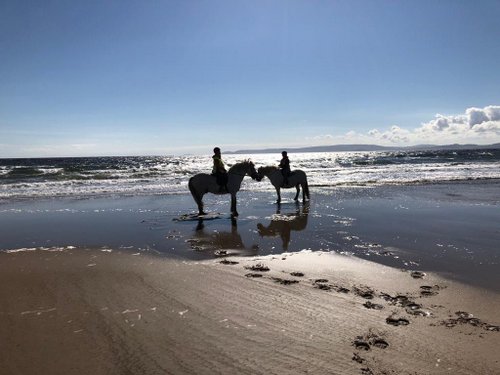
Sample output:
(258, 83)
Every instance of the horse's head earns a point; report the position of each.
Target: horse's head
(253, 173)
(266, 171)
(260, 172)
(246, 168)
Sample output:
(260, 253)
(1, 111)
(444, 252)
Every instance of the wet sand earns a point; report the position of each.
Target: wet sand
(137, 286)
(450, 229)
(80, 311)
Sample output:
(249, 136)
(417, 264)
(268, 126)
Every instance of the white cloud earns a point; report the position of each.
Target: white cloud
(475, 125)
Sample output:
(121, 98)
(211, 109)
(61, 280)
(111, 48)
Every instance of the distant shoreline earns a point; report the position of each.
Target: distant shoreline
(367, 147)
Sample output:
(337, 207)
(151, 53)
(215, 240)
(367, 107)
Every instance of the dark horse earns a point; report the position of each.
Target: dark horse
(203, 183)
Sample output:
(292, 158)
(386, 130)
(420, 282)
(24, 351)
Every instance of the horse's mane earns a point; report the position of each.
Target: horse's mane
(268, 169)
(241, 167)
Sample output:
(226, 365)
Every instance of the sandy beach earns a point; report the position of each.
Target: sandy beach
(80, 311)
(135, 286)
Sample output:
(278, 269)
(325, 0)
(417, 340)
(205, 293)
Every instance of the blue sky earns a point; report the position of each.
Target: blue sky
(172, 77)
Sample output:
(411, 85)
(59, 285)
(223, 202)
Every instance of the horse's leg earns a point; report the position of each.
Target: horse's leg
(200, 205)
(197, 196)
(233, 205)
(278, 191)
(298, 191)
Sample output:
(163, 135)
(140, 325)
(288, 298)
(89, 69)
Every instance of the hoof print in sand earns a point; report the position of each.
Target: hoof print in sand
(467, 318)
(297, 274)
(410, 306)
(340, 289)
(284, 281)
(357, 358)
(364, 292)
(398, 300)
(367, 371)
(259, 267)
(417, 274)
(253, 275)
(322, 284)
(429, 291)
(374, 306)
(379, 343)
(360, 344)
(229, 262)
(394, 321)
(416, 309)
(368, 341)
(221, 253)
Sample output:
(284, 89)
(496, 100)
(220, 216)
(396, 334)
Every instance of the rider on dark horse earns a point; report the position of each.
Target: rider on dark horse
(218, 170)
(285, 167)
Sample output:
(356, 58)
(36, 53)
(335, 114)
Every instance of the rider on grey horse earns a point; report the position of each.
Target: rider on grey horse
(218, 170)
(285, 167)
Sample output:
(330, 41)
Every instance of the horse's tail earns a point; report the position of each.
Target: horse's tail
(306, 187)
(195, 194)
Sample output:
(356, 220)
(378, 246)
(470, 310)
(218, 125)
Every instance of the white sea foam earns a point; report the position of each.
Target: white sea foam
(170, 175)
(29, 249)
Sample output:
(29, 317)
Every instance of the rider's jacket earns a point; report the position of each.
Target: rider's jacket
(218, 165)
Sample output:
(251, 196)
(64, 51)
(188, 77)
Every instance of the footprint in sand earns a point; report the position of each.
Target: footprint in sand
(361, 344)
(397, 321)
(321, 281)
(284, 281)
(356, 357)
(398, 300)
(417, 274)
(340, 289)
(322, 285)
(416, 309)
(410, 306)
(464, 317)
(379, 343)
(259, 267)
(374, 306)
(253, 275)
(229, 262)
(429, 291)
(297, 274)
(364, 292)
(370, 340)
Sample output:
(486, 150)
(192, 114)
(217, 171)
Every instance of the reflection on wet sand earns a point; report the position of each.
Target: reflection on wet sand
(221, 243)
(283, 224)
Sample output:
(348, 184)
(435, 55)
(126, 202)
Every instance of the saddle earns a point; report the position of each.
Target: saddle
(221, 180)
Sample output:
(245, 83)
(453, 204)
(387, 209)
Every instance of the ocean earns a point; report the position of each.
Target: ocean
(159, 175)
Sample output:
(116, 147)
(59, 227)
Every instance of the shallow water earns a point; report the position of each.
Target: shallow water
(451, 229)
